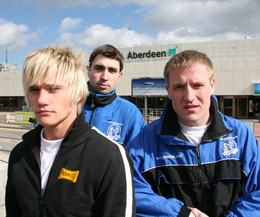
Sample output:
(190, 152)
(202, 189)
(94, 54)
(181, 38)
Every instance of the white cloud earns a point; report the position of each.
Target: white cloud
(69, 23)
(14, 36)
(204, 17)
(100, 34)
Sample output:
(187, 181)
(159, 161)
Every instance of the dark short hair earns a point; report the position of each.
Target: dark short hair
(109, 51)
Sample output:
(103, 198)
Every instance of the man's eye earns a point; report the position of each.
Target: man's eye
(54, 88)
(112, 70)
(179, 87)
(198, 85)
(99, 68)
(33, 89)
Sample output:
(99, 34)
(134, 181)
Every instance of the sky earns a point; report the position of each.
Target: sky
(27, 25)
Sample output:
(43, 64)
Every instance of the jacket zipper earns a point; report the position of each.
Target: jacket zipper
(199, 164)
(92, 111)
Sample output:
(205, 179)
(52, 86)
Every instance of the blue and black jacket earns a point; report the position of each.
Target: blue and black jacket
(220, 176)
(114, 116)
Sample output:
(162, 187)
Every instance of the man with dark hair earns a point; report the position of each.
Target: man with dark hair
(116, 117)
(195, 161)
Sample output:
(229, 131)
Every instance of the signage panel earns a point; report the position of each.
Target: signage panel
(148, 87)
(256, 89)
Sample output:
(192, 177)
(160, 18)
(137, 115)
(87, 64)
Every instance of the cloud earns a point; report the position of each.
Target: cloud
(14, 36)
(204, 17)
(100, 34)
(69, 23)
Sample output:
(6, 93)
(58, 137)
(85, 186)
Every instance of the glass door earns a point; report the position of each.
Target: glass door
(229, 107)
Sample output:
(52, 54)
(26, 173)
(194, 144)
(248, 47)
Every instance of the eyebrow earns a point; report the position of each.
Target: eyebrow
(102, 66)
(46, 85)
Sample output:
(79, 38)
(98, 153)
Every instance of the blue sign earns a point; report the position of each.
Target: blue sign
(149, 87)
(256, 89)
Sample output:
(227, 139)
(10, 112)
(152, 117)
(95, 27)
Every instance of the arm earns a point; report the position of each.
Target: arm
(148, 203)
(249, 203)
(11, 204)
(135, 124)
(115, 197)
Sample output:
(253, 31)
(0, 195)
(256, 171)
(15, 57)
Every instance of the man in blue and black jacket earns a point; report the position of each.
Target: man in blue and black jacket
(114, 116)
(195, 161)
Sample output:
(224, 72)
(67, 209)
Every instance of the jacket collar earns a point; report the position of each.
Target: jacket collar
(100, 100)
(171, 126)
(80, 127)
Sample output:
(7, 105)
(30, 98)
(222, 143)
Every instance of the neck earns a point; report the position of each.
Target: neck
(57, 132)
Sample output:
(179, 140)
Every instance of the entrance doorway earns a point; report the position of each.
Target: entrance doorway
(236, 107)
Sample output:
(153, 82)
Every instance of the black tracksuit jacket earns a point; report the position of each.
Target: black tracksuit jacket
(91, 176)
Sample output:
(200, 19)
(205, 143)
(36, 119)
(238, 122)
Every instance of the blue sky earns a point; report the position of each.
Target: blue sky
(26, 25)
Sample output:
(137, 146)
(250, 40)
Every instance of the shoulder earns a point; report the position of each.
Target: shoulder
(124, 102)
(126, 106)
(148, 134)
(17, 153)
(235, 124)
(103, 145)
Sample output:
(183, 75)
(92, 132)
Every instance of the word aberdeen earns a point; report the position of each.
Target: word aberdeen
(149, 54)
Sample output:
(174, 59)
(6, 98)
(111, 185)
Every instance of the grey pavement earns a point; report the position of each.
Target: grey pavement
(16, 126)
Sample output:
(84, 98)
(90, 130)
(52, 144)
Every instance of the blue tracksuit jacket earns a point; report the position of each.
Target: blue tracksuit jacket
(114, 116)
(220, 177)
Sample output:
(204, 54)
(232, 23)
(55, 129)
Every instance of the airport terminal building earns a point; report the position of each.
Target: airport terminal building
(237, 73)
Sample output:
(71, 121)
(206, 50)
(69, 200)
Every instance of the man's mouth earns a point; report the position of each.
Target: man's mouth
(43, 112)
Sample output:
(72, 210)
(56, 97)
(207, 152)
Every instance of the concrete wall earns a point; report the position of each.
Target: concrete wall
(11, 83)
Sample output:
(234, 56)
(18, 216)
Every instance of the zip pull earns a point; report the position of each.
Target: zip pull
(92, 104)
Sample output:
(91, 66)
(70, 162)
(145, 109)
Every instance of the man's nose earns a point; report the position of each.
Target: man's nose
(105, 73)
(189, 94)
(43, 97)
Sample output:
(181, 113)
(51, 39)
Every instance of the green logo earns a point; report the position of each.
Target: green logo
(173, 51)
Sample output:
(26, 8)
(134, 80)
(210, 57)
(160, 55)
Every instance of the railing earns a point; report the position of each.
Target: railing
(152, 114)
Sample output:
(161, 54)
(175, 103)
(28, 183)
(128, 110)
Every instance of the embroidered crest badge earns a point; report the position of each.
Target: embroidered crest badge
(229, 146)
(114, 131)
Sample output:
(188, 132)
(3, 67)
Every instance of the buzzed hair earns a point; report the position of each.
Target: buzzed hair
(109, 51)
(40, 65)
(188, 58)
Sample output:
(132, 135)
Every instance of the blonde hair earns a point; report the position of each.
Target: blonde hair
(40, 65)
(188, 58)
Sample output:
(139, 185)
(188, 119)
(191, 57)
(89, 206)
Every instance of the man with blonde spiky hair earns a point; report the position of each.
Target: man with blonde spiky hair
(64, 167)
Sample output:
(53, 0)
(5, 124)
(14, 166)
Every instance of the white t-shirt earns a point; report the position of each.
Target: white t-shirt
(194, 134)
(48, 152)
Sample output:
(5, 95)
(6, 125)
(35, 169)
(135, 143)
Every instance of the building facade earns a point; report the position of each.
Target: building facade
(236, 65)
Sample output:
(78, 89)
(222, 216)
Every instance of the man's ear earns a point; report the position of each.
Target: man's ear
(120, 74)
(167, 88)
(212, 84)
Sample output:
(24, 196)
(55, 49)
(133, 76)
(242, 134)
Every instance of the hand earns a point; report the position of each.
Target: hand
(191, 215)
(197, 213)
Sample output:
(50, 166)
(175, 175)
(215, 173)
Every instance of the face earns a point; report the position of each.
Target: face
(190, 89)
(104, 74)
(51, 104)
